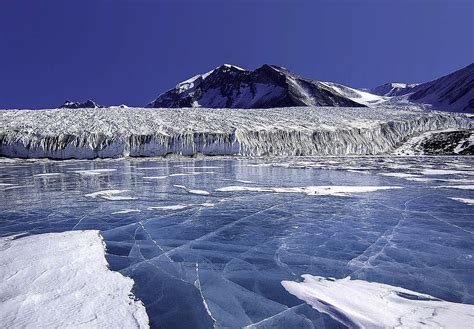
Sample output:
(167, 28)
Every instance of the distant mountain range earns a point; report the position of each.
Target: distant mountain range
(229, 86)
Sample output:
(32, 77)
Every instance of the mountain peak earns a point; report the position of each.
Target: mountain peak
(231, 66)
(78, 105)
(230, 86)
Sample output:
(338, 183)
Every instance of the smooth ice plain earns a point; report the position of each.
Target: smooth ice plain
(209, 242)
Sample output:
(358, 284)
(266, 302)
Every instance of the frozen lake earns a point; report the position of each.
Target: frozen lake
(209, 241)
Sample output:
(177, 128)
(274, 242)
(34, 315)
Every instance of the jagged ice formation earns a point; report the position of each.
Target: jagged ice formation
(120, 132)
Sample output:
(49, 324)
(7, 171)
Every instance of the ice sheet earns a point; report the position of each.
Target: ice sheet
(218, 259)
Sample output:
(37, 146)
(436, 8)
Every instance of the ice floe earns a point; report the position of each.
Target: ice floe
(363, 304)
(181, 206)
(464, 200)
(110, 195)
(94, 172)
(459, 187)
(310, 190)
(46, 175)
(125, 211)
(398, 174)
(192, 191)
(62, 280)
(446, 172)
(155, 177)
(170, 207)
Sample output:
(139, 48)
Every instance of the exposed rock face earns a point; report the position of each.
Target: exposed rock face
(449, 143)
(269, 86)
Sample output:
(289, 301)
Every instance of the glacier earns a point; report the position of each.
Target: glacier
(143, 132)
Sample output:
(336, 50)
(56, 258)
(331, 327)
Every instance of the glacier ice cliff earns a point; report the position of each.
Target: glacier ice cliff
(121, 132)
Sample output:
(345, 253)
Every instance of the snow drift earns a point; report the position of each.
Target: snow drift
(120, 132)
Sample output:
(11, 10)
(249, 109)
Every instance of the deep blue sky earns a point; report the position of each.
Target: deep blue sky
(129, 51)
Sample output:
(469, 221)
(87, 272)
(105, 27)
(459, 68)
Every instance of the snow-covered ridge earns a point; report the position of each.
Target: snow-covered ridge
(61, 280)
(393, 89)
(117, 132)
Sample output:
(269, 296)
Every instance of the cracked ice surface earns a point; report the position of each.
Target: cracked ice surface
(218, 258)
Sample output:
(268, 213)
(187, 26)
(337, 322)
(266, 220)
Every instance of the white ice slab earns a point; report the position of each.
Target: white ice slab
(398, 174)
(59, 280)
(94, 172)
(363, 304)
(111, 195)
(459, 187)
(464, 200)
(192, 191)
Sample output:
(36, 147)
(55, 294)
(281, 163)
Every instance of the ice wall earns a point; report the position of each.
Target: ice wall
(114, 132)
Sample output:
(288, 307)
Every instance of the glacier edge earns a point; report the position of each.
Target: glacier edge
(135, 132)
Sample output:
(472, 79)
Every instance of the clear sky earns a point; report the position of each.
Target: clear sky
(129, 51)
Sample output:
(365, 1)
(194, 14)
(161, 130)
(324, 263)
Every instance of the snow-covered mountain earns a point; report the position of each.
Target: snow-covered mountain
(453, 92)
(88, 104)
(393, 89)
(229, 86)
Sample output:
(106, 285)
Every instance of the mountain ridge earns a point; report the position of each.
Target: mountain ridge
(268, 86)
